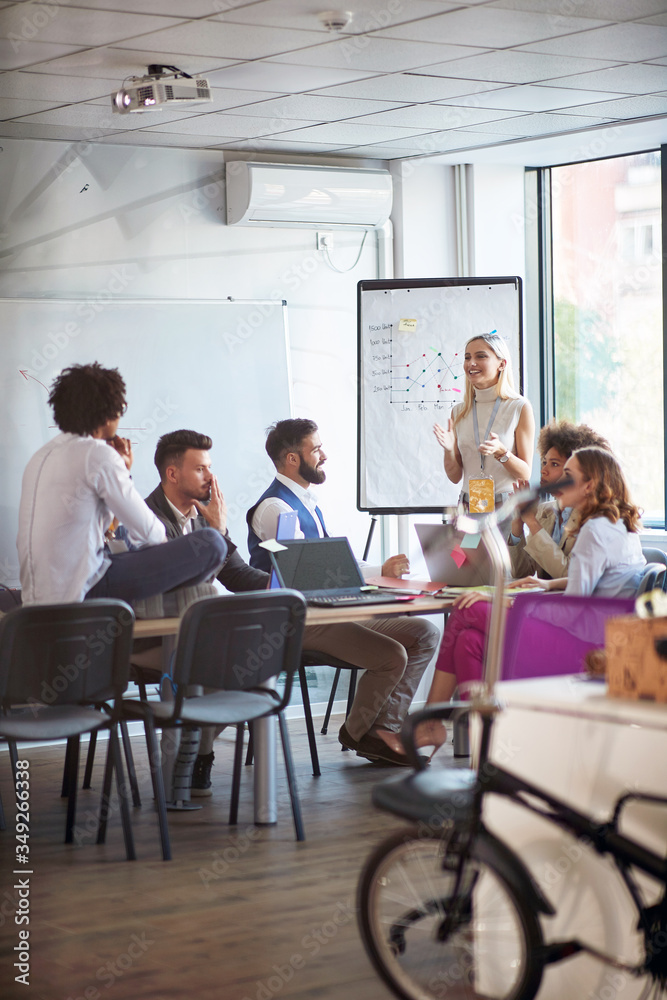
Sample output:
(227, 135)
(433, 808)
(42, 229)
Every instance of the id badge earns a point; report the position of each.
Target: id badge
(482, 496)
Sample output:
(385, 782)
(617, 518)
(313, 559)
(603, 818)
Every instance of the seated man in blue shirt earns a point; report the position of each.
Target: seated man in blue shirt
(545, 549)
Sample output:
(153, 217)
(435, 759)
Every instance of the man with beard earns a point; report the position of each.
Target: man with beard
(393, 651)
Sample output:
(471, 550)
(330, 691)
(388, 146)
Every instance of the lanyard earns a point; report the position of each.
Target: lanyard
(475, 426)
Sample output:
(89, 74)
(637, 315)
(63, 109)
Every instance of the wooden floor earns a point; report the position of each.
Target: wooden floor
(243, 914)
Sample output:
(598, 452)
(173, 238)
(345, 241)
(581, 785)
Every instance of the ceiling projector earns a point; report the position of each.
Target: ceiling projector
(162, 85)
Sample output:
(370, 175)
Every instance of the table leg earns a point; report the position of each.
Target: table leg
(264, 741)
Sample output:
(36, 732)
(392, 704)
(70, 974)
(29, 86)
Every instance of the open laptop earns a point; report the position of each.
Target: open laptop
(449, 561)
(288, 522)
(326, 573)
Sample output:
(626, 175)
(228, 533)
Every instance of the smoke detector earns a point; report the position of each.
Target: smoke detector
(335, 20)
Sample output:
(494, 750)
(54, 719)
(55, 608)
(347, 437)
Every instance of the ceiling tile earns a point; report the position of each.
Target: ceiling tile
(537, 98)
(368, 15)
(409, 88)
(281, 78)
(541, 124)
(171, 140)
(381, 54)
(59, 89)
(236, 126)
(103, 118)
(315, 108)
(608, 10)
(622, 42)
(278, 146)
(492, 28)
(17, 108)
(346, 132)
(60, 23)
(626, 107)
(174, 8)
(17, 54)
(513, 67)
(433, 116)
(636, 78)
(119, 63)
(230, 41)
(25, 130)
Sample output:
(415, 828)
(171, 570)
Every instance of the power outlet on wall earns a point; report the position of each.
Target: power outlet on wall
(325, 241)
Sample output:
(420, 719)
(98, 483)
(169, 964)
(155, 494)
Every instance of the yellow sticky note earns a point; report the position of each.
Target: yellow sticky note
(407, 325)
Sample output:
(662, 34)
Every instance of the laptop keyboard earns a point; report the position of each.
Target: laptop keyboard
(341, 600)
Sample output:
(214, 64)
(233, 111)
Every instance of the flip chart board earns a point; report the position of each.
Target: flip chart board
(411, 340)
(220, 367)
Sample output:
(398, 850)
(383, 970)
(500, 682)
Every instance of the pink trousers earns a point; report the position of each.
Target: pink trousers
(464, 641)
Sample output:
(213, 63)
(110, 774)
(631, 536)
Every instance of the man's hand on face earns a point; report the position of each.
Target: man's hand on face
(215, 511)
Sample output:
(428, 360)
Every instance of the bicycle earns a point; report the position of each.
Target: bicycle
(446, 908)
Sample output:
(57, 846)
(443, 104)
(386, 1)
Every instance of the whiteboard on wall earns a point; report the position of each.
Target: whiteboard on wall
(411, 339)
(220, 367)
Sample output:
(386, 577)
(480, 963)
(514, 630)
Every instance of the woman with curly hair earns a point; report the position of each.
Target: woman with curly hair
(606, 561)
(607, 558)
(538, 542)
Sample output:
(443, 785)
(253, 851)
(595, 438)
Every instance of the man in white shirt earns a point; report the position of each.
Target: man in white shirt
(394, 652)
(72, 489)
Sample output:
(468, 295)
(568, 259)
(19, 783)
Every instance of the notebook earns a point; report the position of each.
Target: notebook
(326, 573)
(454, 558)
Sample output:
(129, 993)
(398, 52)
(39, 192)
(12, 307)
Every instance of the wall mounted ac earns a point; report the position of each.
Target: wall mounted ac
(279, 194)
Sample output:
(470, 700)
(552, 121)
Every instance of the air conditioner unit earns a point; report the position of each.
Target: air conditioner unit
(280, 194)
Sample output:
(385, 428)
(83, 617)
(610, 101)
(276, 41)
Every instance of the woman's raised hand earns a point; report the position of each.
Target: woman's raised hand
(445, 437)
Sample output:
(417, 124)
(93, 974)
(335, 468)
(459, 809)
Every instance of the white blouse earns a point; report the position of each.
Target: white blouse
(504, 425)
(606, 560)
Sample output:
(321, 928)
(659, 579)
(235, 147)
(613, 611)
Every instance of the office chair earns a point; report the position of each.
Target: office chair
(547, 635)
(654, 555)
(654, 577)
(63, 671)
(234, 644)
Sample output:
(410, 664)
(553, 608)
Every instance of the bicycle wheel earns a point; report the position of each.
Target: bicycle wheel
(427, 944)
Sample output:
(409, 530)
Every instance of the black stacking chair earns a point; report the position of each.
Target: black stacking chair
(63, 671)
(233, 644)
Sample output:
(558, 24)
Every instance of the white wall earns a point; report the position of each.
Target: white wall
(100, 221)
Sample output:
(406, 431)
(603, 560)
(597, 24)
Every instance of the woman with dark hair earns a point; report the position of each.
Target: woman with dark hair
(606, 561)
(493, 422)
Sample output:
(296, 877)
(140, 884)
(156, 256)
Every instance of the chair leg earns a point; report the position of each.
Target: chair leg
(129, 760)
(332, 697)
(71, 776)
(251, 749)
(90, 760)
(310, 729)
(155, 764)
(13, 759)
(291, 778)
(117, 765)
(236, 776)
(64, 791)
(351, 691)
(105, 801)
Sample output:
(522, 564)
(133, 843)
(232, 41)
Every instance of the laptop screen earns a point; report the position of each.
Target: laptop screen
(318, 564)
(288, 522)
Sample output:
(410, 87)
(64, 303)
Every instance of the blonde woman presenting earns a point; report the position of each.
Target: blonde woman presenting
(490, 438)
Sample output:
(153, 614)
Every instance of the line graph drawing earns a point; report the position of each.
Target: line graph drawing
(424, 376)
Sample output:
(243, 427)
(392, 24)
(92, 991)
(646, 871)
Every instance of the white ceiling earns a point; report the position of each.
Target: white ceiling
(510, 80)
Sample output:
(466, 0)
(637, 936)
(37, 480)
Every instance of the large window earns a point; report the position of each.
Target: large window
(607, 312)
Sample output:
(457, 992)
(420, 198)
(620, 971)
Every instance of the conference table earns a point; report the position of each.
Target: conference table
(264, 734)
